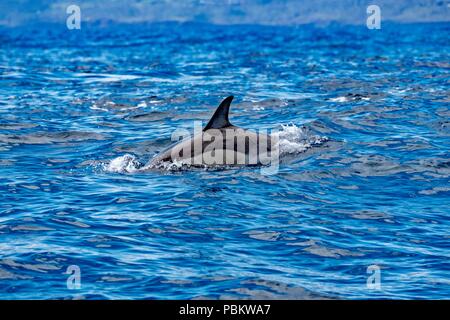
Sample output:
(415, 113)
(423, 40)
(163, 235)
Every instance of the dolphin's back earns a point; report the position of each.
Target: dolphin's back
(221, 138)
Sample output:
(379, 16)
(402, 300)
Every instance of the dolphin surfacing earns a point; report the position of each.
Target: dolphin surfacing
(220, 143)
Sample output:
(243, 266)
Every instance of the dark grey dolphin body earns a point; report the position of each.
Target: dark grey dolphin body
(219, 143)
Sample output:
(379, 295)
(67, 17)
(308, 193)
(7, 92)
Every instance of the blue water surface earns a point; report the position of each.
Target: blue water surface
(80, 110)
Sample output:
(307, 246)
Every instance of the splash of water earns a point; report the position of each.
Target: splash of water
(293, 139)
(124, 164)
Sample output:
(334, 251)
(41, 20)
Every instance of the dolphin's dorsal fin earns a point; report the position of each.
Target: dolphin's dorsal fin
(220, 117)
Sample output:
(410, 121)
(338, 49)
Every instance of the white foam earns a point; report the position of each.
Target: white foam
(96, 107)
(164, 165)
(339, 99)
(123, 164)
(293, 139)
(257, 108)
(104, 77)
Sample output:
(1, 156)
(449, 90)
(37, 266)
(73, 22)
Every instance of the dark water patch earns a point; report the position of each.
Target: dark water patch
(51, 137)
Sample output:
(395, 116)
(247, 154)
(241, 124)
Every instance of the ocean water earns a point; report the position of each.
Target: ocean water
(363, 185)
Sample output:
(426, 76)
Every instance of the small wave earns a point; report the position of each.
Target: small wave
(339, 99)
(51, 137)
(350, 97)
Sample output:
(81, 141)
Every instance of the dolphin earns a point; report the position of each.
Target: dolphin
(220, 143)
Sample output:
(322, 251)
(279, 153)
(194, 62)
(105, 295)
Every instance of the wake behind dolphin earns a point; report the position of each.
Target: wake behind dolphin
(221, 143)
